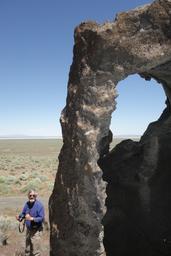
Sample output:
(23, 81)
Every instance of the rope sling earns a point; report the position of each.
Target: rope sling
(21, 226)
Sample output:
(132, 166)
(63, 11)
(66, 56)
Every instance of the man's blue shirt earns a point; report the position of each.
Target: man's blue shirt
(36, 210)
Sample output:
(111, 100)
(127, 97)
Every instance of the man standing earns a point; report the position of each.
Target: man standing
(33, 212)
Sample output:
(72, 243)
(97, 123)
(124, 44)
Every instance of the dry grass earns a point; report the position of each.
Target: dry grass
(26, 164)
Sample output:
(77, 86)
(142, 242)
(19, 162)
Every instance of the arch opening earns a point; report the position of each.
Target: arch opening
(138, 180)
(139, 103)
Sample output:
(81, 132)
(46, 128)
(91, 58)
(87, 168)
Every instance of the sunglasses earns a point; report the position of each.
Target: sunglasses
(32, 196)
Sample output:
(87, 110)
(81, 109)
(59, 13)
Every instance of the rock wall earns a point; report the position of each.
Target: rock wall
(137, 220)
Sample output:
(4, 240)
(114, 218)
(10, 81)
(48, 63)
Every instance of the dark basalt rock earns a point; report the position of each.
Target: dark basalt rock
(138, 220)
(138, 174)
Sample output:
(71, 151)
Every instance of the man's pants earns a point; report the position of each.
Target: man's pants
(33, 242)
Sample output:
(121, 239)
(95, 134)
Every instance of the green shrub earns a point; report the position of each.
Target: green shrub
(4, 189)
(23, 177)
(18, 182)
(33, 184)
(34, 174)
(50, 186)
(2, 179)
(43, 178)
(6, 225)
(10, 179)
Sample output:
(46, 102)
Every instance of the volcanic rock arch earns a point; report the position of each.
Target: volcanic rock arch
(138, 217)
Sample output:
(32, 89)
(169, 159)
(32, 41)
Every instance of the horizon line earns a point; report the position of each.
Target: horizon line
(3, 137)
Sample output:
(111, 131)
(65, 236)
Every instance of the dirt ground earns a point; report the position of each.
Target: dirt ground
(9, 207)
(17, 242)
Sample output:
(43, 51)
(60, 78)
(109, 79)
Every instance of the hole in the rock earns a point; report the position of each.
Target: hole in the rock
(139, 103)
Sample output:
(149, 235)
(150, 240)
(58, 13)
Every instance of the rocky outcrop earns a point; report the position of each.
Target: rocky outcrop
(137, 221)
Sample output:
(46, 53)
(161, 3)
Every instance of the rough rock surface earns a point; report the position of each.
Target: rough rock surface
(138, 217)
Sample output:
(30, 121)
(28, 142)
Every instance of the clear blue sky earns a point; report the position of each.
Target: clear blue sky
(35, 57)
